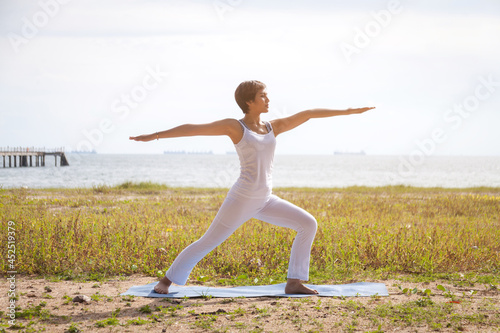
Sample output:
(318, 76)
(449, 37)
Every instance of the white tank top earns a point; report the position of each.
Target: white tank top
(256, 153)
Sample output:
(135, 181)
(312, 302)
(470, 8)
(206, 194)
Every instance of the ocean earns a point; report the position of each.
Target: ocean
(186, 170)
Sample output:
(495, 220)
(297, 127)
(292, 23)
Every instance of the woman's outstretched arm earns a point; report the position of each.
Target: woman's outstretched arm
(229, 127)
(285, 124)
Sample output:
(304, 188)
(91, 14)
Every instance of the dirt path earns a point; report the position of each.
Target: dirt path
(49, 305)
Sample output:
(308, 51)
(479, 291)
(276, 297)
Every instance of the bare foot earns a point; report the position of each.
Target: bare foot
(294, 286)
(162, 286)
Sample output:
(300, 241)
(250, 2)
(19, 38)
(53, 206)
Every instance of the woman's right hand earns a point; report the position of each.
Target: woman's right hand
(143, 138)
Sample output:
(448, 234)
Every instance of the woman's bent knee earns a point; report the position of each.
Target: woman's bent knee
(314, 224)
(309, 224)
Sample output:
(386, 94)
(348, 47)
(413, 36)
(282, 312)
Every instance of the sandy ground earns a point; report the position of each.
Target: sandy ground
(266, 314)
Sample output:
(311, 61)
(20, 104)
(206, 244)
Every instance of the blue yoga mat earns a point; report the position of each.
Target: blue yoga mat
(274, 290)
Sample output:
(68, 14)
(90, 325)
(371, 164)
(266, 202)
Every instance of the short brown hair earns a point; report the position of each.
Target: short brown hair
(246, 92)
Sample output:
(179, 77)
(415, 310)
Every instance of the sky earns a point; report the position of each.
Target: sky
(87, 74)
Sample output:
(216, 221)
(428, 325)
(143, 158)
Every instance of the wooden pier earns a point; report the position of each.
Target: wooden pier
(28, 157)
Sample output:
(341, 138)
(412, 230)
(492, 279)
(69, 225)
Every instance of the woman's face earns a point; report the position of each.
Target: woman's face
(260, 102)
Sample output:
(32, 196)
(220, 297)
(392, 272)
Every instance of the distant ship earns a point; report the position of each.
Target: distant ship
(361, 152)
(183, 152)
(83, 152)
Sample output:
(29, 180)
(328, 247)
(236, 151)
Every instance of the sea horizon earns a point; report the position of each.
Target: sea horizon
(222, 170)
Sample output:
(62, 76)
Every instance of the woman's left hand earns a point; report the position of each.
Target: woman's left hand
(360, 110)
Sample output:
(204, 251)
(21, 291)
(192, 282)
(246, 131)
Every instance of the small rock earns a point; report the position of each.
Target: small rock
(81, 299)
(48, 289)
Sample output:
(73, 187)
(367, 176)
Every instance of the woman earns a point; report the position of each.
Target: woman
(251, 196)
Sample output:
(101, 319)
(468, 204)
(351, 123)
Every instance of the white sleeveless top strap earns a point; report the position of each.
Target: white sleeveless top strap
(268, 126)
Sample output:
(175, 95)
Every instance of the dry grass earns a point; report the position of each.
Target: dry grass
(407, 237)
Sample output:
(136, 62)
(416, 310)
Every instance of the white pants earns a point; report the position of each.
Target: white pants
(235, 211)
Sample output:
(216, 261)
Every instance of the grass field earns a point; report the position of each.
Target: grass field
(421, 234)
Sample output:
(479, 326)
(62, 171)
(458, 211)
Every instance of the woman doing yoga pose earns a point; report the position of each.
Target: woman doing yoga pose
(251, 196)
